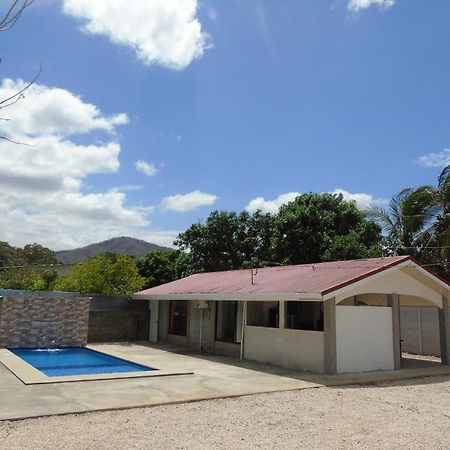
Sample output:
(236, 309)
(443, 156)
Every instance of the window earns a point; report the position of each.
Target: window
(229, 321)
(304, 316)
(178, 317)
(263, 314)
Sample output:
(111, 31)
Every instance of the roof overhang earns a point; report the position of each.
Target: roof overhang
(405, 278)
(256, 297)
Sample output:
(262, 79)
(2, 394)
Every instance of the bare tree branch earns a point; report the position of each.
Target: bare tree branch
(9, 19)
(13, 13)
(19, 95)
(4, 138)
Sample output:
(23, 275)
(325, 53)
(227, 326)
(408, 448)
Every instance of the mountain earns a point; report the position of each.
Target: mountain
(124, 245)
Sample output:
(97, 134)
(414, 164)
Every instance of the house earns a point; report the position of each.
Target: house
(333, 317)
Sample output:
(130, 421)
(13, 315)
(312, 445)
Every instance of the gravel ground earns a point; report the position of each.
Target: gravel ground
(409, 414)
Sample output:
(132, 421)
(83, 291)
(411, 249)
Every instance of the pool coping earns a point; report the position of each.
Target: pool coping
(29, 375)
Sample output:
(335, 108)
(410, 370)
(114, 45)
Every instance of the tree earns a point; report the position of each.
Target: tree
(406, 223)
(436, 237)
(36, 254)
(323, 227)
(228, 240)
(103, 274)
(159, 267)
(26, 278)
(30, 254)
(11, 15)
(312, 228)
(8, 255)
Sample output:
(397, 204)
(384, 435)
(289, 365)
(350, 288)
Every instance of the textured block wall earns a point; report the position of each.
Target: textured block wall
(44, 321)
(119, 326)
(420, 330)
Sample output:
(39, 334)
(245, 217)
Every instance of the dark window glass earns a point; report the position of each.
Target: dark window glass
(178, 317)
(304, 316)
(263, 314)
(228, 321)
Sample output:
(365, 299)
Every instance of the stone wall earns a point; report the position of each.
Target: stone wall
(44, 321)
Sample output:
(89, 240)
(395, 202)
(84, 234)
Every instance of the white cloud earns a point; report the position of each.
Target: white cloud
(440, 159)
(42, 187)
(160, 237)
(53, 111)
(358, 5)
(362, 200)
(146, 168)
(270, 206)
(188, 202)
(165, 32)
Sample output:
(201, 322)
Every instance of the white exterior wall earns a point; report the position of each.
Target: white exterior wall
(294, 349)
(364, 340)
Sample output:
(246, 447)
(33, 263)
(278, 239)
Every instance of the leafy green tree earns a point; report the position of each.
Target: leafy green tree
(227, 240)
(323, 227)
(36, 254)
(103, 274)
(257, 239)
(49, 278)
(312, 228)
(30, 254)
(159, 267)
(8, 255)
(26, 278)
(213, 245)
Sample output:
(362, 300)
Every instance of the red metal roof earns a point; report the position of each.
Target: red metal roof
(320, 278)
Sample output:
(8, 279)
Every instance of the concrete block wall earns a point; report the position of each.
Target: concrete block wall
(44, 321)
(420, 330)
(118, 326)
(118, 319)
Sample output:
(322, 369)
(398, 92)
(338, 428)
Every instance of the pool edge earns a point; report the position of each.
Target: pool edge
(29, 375)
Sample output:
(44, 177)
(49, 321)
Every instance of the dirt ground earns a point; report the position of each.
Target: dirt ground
(413, 414)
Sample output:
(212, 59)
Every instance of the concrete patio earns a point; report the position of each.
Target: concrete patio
(213, 377)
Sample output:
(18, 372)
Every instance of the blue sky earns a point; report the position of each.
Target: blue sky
(220, 105)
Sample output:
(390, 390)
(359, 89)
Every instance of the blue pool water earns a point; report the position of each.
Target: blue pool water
(58, 362)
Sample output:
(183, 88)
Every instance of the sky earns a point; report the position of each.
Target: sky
(146, 118)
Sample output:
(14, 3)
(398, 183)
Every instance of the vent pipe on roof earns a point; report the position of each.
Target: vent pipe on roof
(253, 273)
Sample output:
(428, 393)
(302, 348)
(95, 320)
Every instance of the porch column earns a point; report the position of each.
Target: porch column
(444, 331)
(244, 324)
(329, 329)
(154, 320)
(282, 315)
(393, 300)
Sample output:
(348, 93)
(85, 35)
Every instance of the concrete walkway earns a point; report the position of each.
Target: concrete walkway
(213, 377)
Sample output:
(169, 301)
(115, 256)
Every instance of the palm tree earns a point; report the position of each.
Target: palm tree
(438, 244)
(407, 220)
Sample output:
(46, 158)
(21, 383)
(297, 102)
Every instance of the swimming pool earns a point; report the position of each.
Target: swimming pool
(58, 362)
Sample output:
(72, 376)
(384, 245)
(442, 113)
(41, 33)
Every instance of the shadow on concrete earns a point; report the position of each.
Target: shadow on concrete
(415, 369)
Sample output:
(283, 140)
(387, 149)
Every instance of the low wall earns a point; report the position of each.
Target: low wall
(364, 339)
(43, 320)
(294, 349)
